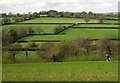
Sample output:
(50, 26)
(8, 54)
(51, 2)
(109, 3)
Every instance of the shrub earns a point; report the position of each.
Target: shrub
(58, 29)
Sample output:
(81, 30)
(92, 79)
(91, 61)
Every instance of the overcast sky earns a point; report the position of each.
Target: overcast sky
(25, 6)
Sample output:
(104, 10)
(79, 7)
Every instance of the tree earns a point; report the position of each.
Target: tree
(48, 52)
(52, 13)
(6, 20)
(84, 14)
(91, 15)
(16, 19)
(83, 44)
(58, 29)
(87, 19)
(13, 50)
(34, 14)
(105, 46)
(24, 17)
(77, 15)
(18, 14)
(4, 15)
(13, 35)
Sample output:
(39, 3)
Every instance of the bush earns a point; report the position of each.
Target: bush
(58, 29)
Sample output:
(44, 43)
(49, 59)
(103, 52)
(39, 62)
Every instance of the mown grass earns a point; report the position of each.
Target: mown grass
(59, 20)
(78, 33)
(62, 71)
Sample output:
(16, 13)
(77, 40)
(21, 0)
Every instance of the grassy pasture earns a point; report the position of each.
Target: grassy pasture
(62, 71)
(59, 20)
(47, 28)
(111, 21)
(78, 33)
(96, 25)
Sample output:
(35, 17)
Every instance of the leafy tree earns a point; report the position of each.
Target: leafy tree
(6, 20)
(24, 17)
(87, 19)
(18, 15)
(84, 14)
(13, 50)
(58, 29)
(84, 44)
(13, 35)
(105, 46)
(48, 52)
(52, 13)
(34, 14)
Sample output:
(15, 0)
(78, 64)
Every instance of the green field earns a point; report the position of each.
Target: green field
(97, 25)
(47, 28)
(62, 71)
(111, 21)
(59, 20)
(78, 33)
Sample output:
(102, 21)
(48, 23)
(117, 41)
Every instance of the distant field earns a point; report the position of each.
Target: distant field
(97, 25)
(62, 71)
(78, 33)
(59, 20)
(47, 28)
(111, 21)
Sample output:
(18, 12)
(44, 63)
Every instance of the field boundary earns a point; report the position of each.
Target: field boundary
(61, 23)
(24, 41)
(96, 27)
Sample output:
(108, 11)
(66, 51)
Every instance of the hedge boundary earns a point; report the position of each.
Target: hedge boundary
(95, 27)
(25, 41)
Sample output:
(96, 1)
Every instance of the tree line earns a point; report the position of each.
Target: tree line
(73, 48)
(14, 18)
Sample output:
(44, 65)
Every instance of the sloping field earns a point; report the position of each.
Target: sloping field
(47, 28)
(97, 25)
(78, 33)
(59, 20)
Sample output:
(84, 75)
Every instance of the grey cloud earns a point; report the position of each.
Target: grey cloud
(65, 5)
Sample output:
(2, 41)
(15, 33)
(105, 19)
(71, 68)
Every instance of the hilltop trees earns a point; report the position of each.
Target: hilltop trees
(52, 13)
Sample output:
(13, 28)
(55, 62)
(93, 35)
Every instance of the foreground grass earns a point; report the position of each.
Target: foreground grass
(62, 71)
